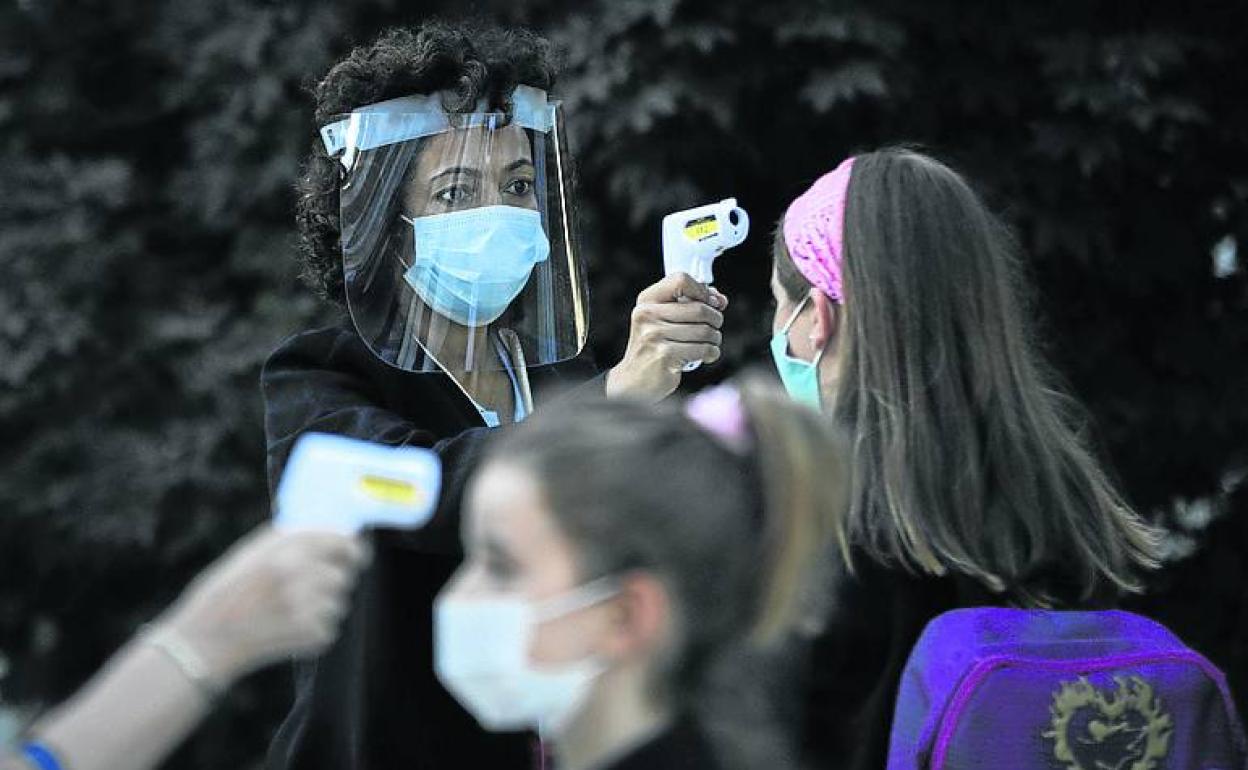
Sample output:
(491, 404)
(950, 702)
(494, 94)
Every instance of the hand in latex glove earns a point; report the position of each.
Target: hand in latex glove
(675, 322)
(274, 595)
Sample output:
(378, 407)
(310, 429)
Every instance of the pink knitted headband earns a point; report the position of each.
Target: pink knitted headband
(814, 230)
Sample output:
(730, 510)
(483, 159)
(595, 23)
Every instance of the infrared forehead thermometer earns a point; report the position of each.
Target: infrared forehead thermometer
(346, 485)
(693, 238)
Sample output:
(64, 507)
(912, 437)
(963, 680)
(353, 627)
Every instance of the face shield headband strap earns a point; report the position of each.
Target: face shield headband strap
(412, 117)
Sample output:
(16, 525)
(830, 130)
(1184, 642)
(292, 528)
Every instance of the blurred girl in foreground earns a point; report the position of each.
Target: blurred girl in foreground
(615, 553)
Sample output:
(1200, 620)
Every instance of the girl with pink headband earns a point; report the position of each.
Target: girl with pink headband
(901, 312)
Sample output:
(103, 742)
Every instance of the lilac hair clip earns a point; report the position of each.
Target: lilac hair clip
(718, 410)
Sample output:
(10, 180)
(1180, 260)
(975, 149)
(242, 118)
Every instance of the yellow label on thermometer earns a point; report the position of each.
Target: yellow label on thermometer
(392, 491)
(702, 228)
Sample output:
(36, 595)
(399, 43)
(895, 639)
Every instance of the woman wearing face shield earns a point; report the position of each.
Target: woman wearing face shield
(437, 208)
(598, 610)
(900, 311)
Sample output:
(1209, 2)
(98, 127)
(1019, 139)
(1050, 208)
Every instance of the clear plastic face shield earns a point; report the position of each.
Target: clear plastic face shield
(457, 243)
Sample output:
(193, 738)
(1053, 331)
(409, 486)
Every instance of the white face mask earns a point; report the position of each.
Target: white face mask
(481, 655)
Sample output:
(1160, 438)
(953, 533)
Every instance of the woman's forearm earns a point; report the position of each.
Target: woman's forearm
(131, 715)
(273, 596)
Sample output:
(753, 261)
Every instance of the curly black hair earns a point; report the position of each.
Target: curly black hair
(470, 60)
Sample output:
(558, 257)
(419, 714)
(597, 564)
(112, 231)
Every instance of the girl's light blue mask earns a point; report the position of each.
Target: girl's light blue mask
(470, 265)
(800, 378)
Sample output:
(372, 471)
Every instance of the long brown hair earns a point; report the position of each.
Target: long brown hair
(967, 455)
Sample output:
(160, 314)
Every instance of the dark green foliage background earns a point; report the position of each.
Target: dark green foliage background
(146, 267)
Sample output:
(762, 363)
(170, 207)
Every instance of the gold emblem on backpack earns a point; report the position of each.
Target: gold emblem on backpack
(1126, 729)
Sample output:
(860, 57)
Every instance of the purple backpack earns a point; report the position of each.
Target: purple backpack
(1046, 690)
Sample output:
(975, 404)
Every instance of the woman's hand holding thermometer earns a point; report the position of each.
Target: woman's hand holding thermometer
(675, 321)
(675, 324)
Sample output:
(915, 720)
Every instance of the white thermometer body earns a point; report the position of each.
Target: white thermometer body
(693, 238)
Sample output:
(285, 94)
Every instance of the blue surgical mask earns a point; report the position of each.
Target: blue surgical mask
(471, 264)
(800, 378)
